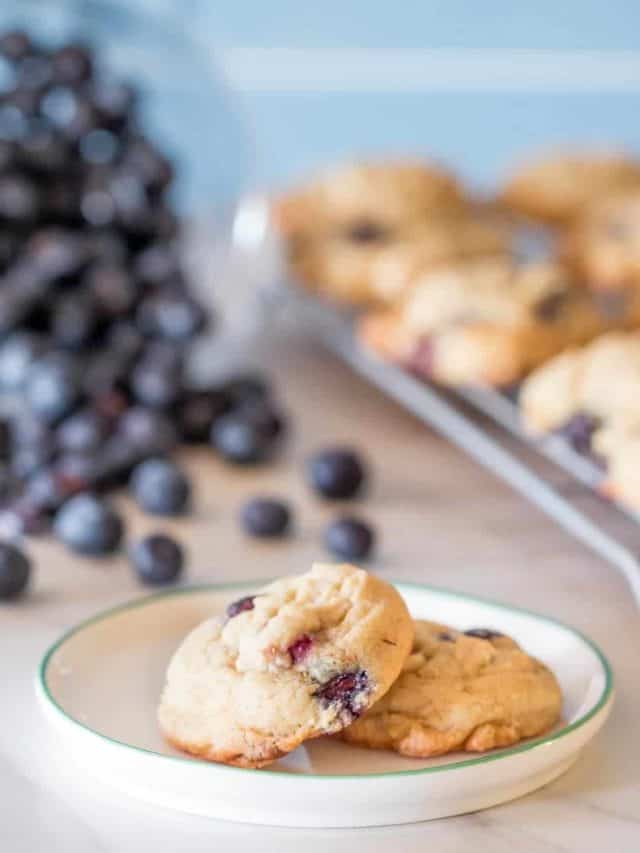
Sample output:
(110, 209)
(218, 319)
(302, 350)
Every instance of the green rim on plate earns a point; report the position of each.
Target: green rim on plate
(45, 693)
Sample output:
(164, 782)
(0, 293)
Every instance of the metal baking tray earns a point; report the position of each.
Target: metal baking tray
(453, 413)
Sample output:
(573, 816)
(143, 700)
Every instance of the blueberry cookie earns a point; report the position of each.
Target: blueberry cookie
(473, 691)
(302, 657)
(361, 233)
(556, 188)
(488, 321)
(604, 244)
(591, 396)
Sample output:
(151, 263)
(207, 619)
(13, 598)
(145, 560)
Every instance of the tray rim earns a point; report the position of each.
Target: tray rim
(45, 695)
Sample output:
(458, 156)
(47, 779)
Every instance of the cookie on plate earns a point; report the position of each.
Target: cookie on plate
(302, 657)
(471, 691)
(488, 321)
(604, 244)
(556, 188)
(617, 442)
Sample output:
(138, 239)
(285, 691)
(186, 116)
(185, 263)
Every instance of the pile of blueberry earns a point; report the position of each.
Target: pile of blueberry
(96, 323)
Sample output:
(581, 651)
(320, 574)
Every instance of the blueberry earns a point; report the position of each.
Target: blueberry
(579, 430)
(349, 539)
(15, 44)
(336, 473)
(19, 199)
(198, 411)
(33, 73)
(57, 253)
(264, 416)
(265, 517)
(240, 606)
(160, 487)
(347, 691)
(15, 569)
(50, 487)
(29, 459)
(99, 147)
(157, 264)
(248, 388)
(113, 289)
(240, 441)
(155, 386)
(147, 429)
(113, 100)
(483, 633)
(144, 160)
(17, 353)
(157, 559)
(52, 387)
(172, 316)
(22, 516)
(88, 525)
(73, 321)
(83, 432)
(72, 64)
(43, 150)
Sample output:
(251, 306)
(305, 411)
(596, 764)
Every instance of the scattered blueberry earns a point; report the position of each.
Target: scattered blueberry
(349, 539)
(83, 432)
(248, 387)
(240, 440)
(15, 569)
(52, 387)
(160, 487)
(336, 473)
(157, 559)
(198, 411)
(265, 517)
(87, 524)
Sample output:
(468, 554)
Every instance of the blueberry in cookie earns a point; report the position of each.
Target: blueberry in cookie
(302, 657)
(472, 691)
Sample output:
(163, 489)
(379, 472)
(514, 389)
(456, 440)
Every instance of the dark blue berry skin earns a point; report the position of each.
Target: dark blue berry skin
(15, 569)
(198, 411)
(336, 473)
(88, 525)
(52, 388)
(265, 517)
(240, 440)
(483, 633)
(248, 388)
(349, 539)
(82, 432)
(157, 560)
(160, 487)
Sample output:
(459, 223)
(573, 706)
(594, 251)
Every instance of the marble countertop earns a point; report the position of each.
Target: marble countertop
(442, 520)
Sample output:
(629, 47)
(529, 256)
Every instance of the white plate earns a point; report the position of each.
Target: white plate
(99, 685)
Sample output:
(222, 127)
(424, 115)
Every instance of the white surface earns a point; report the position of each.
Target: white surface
(326, 783)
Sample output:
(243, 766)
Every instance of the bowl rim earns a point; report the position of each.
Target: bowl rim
(45, 694)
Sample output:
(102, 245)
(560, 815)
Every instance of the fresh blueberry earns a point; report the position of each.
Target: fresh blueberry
(336, 473)
(88, 525)
(160, 487)
(33, 73)
(198, 411)
(17, 353)
(83, 432)
(113, 99)
(248, 388)
(144, 160)
(154, 385)
(157, 559)
(349, 539)
(73, 321)
(72, 64)
(52, 387)
(169, 315)
(113, 289)
(15, 45)
(150, 430)
(19, 199)
(158, 264)
(264, 416)
(265, 517)
(15, 569)
(240, 440)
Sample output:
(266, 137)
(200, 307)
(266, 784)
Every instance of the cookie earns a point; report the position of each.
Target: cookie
(488, 321)
(379, 270)
(302, 657)
(369, 199)
(343, 227)
(604, 244)
(471, 691)
(556, 188)
(596, 382)
(617, 442)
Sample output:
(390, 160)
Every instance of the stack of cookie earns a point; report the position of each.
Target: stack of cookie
(335, 651)
(444, 291)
